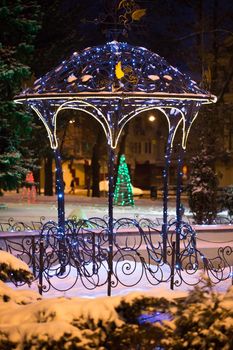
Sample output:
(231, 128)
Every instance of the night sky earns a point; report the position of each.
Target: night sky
(179, 30)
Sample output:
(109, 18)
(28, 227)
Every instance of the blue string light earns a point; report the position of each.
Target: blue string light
(100, 61)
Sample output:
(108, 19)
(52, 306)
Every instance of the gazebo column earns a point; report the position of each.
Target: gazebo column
(179, 209)
(60, 191)
(190, 112)
(48, 117)
(168, 154)
(52, 133)
(60, 211)
(174, 118)
(111, 158)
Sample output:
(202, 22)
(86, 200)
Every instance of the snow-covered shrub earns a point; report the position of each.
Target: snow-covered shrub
(13, 269)
(38, 336)
(135, 334)
(58, 323)
(202, 189)
(202, 321)
(78, 323)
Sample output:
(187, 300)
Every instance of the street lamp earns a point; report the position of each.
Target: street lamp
(151, 118)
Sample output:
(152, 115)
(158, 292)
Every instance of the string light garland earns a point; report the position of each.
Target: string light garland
(115, 67)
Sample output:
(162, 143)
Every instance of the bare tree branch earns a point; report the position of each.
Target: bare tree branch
(204, 32)
(227, 81)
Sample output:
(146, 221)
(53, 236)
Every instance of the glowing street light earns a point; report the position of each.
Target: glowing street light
(151, 118)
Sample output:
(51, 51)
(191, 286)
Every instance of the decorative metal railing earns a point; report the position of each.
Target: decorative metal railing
(12, 225)
(80, 254)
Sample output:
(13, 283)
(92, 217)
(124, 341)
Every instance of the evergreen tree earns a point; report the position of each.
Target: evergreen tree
(202, 189)
(18, 27)
(123, 194)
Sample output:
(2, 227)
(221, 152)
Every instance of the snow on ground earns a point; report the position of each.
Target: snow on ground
(72, 285)
(47, 207)
(86, 207)
(41, 317)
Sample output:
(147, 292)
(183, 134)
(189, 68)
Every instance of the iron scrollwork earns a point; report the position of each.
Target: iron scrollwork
(79, 255)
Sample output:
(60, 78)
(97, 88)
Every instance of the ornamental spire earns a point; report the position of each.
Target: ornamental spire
(119, 17)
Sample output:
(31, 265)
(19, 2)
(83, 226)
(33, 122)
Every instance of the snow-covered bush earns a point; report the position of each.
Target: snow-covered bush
(202, 321)
(202, 189)
(13, 269)
(58, 323)
(78, 323)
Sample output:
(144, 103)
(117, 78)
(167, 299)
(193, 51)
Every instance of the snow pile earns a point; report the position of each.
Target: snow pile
(78, 214)
(12, 261)
(14, 269)
(61, 321)
(17, 296)
(49, 333)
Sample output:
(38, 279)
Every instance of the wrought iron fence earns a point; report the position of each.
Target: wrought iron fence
(12, 225)
(60, 259)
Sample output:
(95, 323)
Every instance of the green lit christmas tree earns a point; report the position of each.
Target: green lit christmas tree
(123, 194)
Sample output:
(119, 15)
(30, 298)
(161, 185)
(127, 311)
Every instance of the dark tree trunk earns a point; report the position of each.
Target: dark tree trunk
(63, 138)
(122, 143)
(95, 164)
(95, 172)
(87, 170)
(48, 185)
(36, 173)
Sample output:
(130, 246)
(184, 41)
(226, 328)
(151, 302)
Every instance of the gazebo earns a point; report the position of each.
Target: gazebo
(114, 83)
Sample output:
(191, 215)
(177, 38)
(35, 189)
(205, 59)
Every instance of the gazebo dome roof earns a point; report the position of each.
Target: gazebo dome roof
(114, 68)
